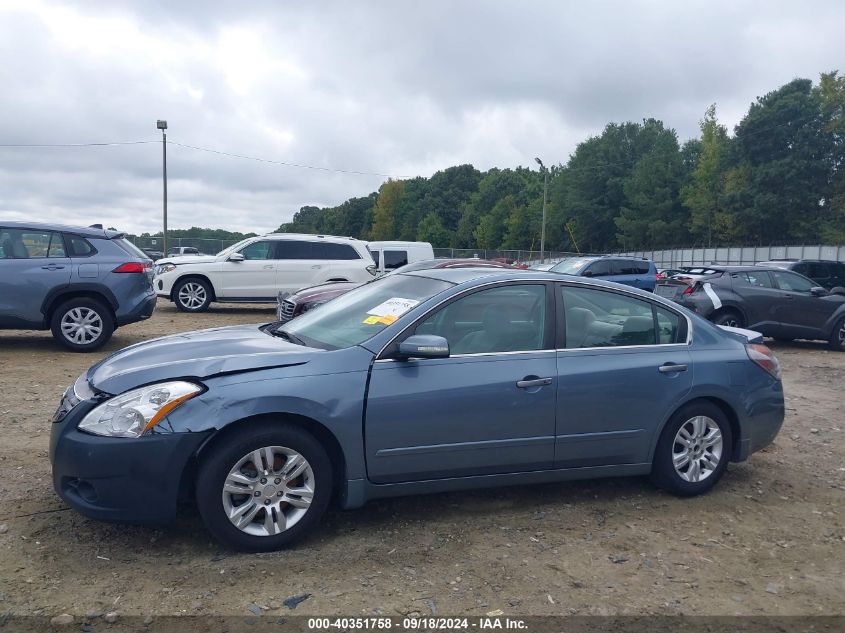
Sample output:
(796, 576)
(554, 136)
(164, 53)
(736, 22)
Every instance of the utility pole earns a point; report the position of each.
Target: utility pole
(545, 198)
(162, 125)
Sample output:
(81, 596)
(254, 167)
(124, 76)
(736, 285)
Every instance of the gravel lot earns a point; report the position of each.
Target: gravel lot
(769, 540)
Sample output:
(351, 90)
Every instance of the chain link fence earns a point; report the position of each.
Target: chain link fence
(203, 245)
(530, 258)
(737, 255)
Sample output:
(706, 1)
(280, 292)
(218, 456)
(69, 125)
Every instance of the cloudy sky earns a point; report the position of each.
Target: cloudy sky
(400, 88)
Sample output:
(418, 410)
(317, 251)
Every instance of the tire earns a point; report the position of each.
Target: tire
(682, 480)
(730, 318)
(837, 337)
(231, 461)
(82, 324)
(192, 294)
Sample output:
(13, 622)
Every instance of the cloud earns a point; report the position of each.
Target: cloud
(396, 88)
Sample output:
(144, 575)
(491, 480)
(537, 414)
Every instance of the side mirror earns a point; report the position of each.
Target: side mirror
(587, 273)
(236, 257)
(424, 346)
(818, 291)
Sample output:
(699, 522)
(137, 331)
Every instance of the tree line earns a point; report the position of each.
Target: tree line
(778, 178)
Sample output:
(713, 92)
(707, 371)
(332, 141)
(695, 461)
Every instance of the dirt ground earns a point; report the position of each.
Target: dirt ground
(770, 539)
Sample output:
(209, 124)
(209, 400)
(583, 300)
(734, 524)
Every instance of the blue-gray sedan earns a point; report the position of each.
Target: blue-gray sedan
(414, 383)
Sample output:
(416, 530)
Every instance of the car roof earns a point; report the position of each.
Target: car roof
(309, 236)
(84, 231)
(463, 275)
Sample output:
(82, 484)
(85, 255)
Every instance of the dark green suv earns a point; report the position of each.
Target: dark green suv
(827, 274)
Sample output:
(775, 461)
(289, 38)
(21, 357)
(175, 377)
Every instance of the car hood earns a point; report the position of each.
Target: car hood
(323, 291)
(199, 354)
(187, 259)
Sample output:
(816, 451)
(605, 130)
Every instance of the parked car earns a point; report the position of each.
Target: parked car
(79, 282)
(827, 274)
(256, 269)
(776, 302)
(152, 253)
(183, 250)
(420, 382)
(663, 273)
(544, 267)
(391, 255)
(632, 271)
(291, 306)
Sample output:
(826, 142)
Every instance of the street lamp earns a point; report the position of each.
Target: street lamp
(162, 125)
(545, 198)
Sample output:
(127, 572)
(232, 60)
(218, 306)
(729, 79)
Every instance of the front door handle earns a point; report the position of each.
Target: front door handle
(671, 368)
(52, 267)
(316, 267)
(269, 267)
(536, 382)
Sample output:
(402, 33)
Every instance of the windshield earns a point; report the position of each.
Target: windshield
(231, 248)
(362, 313)
(570, 266)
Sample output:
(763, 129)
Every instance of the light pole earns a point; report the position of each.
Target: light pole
(162, 125)
(545, 198)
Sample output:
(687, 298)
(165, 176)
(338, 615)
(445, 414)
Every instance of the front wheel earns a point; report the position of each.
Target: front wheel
(837, 338)
(264, 488)
(693, 451)
(82, 325)
(192, 295)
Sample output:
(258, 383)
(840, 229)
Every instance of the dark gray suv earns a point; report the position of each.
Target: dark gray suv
(81, 283)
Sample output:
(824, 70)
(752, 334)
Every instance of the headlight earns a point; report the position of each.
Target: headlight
(133, 413)
(311, 306)
(165, 268)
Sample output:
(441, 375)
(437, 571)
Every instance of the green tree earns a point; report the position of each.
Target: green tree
(703, 194)
(384, 212)
(431, 229)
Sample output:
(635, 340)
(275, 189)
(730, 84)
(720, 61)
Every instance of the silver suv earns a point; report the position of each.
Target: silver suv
(81, 283)
(256, 269)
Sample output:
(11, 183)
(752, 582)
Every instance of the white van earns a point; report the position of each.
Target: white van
(389, 256)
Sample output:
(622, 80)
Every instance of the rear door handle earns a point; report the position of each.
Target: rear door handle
(536, 382)
(52, 267)
(316, 267)
(671, 368)
(269, 267)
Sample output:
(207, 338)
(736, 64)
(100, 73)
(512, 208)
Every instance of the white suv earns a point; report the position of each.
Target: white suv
(256, 269)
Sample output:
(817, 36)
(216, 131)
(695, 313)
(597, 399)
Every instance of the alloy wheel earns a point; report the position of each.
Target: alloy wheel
(697, 449)
(81, 325)
(268, 490)
(192, 295)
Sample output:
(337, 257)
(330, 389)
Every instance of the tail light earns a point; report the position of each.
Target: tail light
(688, 290)
(133, 267)
(763, 356)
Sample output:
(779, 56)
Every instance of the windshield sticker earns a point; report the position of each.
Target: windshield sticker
(394, 307)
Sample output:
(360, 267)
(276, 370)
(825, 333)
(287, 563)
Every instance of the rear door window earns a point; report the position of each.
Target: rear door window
(57, 246)
(600, 268)
(600, 318)
(759, 279)
(293, 249)
(816, 270)
(621, 267)
(395, 259)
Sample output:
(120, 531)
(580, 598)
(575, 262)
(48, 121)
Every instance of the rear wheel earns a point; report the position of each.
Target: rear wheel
(729, 318)
(693, 450)
(265, 487)
(82, 325)
(192, 295)
(837, 339)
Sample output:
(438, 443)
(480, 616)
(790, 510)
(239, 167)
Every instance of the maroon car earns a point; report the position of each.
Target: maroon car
(292, 305)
